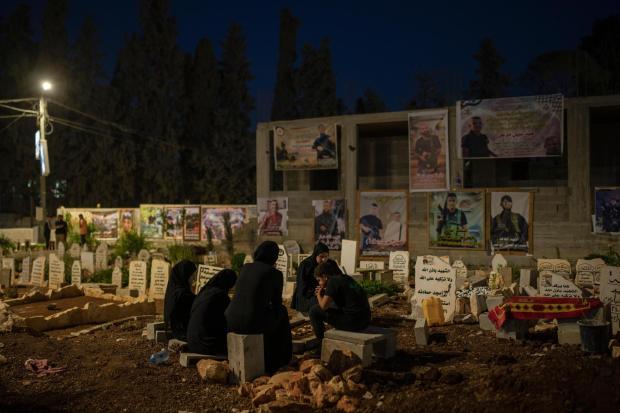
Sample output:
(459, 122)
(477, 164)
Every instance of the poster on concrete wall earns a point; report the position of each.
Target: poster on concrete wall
(152, 221)
(272, 216)
(456, 220)
(329, 222)
(305, 147)
(173, 228)
(128, 219)
(213, 219)
(607, 210)
(191, 225)
(510, 226)
(428, 151)
(382, 222)
(106, 223)
(515, 127)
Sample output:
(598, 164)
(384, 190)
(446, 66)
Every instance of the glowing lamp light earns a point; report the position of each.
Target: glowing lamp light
(46, 86)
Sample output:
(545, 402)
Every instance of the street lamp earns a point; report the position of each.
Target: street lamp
(46, 85)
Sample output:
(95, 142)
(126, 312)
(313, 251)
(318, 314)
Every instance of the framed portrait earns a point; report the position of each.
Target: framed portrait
(457, 220)
(510, 221)
(191, 224)
(272, 216)
(173, 222)
(382, 222)
(305, 147)
(152, 221)
(428, 151)
(213, 219)
(329, 222)
(607, 210)
(129, 219)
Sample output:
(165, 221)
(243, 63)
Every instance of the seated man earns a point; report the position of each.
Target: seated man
(350, 311)
(206, 332)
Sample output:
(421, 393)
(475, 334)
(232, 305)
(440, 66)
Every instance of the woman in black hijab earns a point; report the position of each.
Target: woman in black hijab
(257, 307)
(179, 298)
(206, 332)
(303, 297)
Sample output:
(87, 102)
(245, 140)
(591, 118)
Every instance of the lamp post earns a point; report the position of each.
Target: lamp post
(46, 86)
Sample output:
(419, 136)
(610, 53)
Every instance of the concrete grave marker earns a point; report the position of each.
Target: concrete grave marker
(399, 263)
(348, 257)
(56, 272)
(248, 259)
(588, 272)
(204, 274)
(461, 273)
(60, 250)
(435, 278)
(9, 264)
(282, 262)
(610, 293)
(553, 266)
(118, 262)
(24, 276)
(144, 255)
(76, 273)
(372, 265)
(160, 270)
(84, 248)
(445, 258)
(101, 257)
(137, 276)
(38, 272)
(88, 261)
(74, 251)
(555, 285)
(117, 277)
(498, 261)
(210, 259)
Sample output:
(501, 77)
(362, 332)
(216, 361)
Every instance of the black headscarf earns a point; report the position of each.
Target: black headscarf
(224, 280)
(319, 248)
(267, 252)
(179, 298)
(303, 296)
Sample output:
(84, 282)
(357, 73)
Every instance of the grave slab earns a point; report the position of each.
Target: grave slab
(151, 328)
(364, 352)
(189, 359)
(161, 336)
(568, 332)
(421, 332)
(485, 323)
(246, 356)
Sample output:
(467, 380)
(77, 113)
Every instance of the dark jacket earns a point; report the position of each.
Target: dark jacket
(179, 298)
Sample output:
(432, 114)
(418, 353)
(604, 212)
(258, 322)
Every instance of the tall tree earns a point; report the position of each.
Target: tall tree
(54, 46)
(235, 172)
(317, 82)
(370, 102)
(285, 95)
(490, 82)
(604, 46)
(428, 93)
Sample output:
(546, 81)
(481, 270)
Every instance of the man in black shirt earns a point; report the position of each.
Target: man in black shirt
(351, 312)
(475, 144)
(61, 230)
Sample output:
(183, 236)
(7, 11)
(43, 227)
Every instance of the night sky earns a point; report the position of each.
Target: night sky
(376, 44)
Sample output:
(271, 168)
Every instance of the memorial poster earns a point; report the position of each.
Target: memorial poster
(428, 151)
(305, 147)
(382, 223)
(456, 220)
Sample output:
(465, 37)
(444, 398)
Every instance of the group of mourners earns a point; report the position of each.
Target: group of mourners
(322, 291)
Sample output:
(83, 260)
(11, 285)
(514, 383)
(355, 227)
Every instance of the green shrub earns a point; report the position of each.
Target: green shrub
(102, 276)
(611, 258)
(5, 243)
(237, 261)
(130, 244)
(180, 252)
(372, 287)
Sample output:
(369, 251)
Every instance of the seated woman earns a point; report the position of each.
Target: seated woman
(303, 297)
(257, 307)
(206, 332)
(351, 312)
(179, 298)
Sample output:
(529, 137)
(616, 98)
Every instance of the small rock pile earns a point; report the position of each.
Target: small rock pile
(312, 385)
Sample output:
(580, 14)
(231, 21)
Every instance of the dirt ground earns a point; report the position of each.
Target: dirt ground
(463, 370)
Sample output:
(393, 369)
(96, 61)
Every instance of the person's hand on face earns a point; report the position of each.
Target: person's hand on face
(322, 257)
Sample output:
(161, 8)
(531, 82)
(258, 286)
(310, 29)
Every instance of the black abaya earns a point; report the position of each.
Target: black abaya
(179, 298)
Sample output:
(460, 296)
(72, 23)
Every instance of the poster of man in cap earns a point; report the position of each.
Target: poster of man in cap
(511, 218)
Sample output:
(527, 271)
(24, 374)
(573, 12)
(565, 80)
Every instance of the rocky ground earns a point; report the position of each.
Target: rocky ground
(463, 369)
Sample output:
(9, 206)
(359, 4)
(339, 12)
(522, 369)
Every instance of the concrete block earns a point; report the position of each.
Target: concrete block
(364, 351)
(5, 277)
(151, 328)
(485, 323)
(246, 356)
(378, 299)
(568, 332)
(494, 301)
(478, 281)
(189, 359)
(478, 304)
(385, 348)
(421, 332)
(304, 344)
(176, 345)
(161, 337)
(530, 291)
(126, 292)
(528, 278)
(382, 341)
(513, 329)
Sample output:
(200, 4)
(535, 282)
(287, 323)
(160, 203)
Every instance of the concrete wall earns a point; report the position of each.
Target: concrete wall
(562, 224)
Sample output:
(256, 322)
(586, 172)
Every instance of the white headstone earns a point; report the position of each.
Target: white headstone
(74, 251)
(38, 272)
(137, 276)
(399, 263)
(118, 262)
(248, 259)
(445, 258)
(282, 262)
(84, 248)
(435, 278)
(144, 255)
(610, 293)
(24, 277)
(76, 273)
(101, 257)
(60, 249)
(547, 266)
(204, 274)
(56, 272)
(9, 264)
(372, 265)
(498, 261)
(210, 259)
(117, 277)
(555, 285)
(88, 261)
(292, 247)
(159, 278)
(348, 256)
(588, 272)
(460, 268)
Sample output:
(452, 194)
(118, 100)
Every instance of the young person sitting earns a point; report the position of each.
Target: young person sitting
(179, 299)
(206, 332)
(342, 302)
